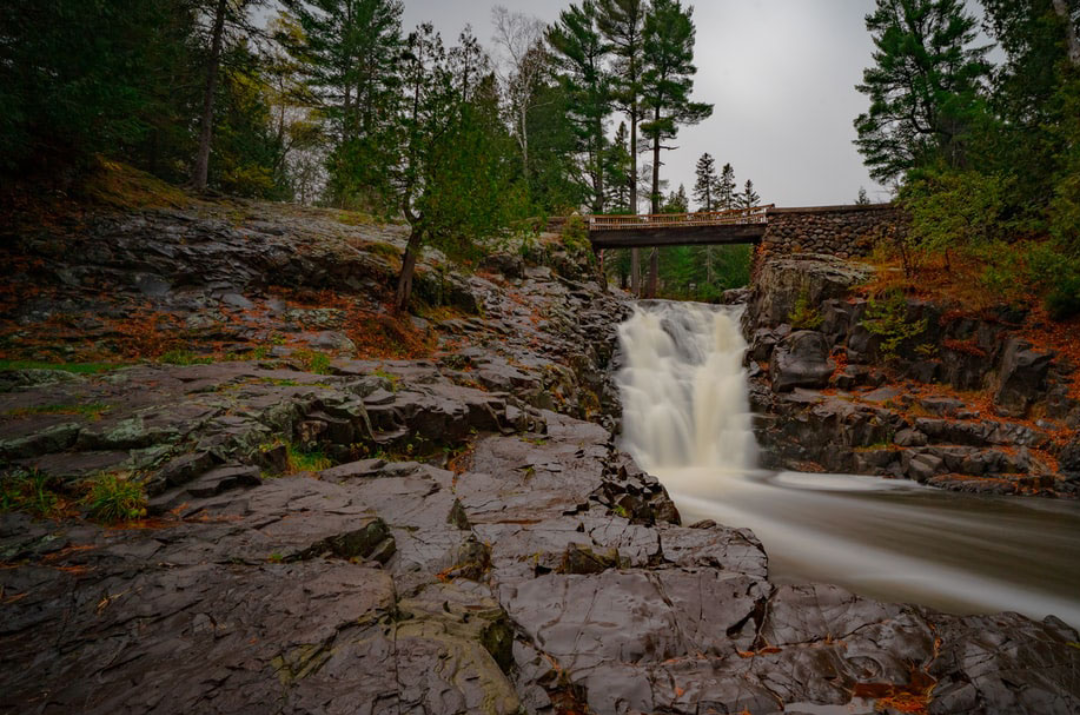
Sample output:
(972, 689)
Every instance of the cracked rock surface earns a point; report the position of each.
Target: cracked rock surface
(471, 539)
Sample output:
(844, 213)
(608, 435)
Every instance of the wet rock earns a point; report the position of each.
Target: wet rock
(583, 560)
(815, 277)
(801, 360)
(921, 466)
(1023, 377)
(910, 438)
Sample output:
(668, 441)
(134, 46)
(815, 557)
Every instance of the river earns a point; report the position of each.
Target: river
(687, 420)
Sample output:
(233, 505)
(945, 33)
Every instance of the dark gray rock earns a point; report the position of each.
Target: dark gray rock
(1023, 377)
(801, 360)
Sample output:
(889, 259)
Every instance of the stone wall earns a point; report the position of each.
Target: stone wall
(841, 231)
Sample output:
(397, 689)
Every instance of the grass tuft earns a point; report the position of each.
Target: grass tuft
(114, 499)
(86, 368)
(32, 492)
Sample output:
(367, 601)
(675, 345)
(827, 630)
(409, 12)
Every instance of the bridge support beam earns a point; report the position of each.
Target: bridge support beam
(680, 236)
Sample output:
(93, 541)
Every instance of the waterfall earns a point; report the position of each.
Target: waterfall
(684, 388)
(687, 421)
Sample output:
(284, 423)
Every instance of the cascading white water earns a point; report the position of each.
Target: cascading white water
(684, 388)
(686, 419)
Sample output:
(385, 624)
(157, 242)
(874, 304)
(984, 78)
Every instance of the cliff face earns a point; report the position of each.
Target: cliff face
(351, 512)
(905, 387)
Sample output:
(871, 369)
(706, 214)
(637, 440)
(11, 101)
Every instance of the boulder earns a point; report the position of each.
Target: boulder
(1023, 377)
(801, 360)
(815, 277)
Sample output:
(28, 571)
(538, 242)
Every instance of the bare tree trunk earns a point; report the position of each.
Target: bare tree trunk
(654, 257)
(1061, 7)
(408, 269)
(635, 254)
(525, 140)
(202, 159)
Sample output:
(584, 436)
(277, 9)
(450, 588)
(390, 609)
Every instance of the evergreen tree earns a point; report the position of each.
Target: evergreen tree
(862, 199)
(554, 181)
(579, 49)
(725, 189)
(705, 190)
(79, 77)
(351, 51)
(623, 24)
(923, 89)
(668, 53)
(749, 198)
(677, 202)
(620, 179)
(455, 177)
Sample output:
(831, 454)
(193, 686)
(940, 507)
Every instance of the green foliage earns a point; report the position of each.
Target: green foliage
(390, 377)
(923, 88)
(677, 202)
(184, 357)
(114, 499)
(886, 317)
(89, 368)
(1056, 274)
(579, 50)
(805, 316)
(314, 460)
(955, 210)
(315, 361)
(575, 237)
(80, 76)
(699, 273)
(30, 491)
(92, 410)
(667, 80)
(706, 184)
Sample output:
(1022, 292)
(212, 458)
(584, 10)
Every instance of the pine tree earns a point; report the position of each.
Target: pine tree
(351, 52)
(725, 189)
(677, 202)
(620, 180)
(455, 177)
(924, 87)
(668, 53)
(705, 190)
(749, 198)
(862, 199)
(623, 23)
(578, 50)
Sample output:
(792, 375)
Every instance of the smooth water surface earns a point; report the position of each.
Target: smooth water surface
(686, 418)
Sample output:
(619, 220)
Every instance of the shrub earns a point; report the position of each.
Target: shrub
(805, 316)
(1063, 300)
(952, 211)
(886, 317)
(314, 361)
(114, 499)
(30, 491)
(1056, 274)
(301, 460)
(575, 236)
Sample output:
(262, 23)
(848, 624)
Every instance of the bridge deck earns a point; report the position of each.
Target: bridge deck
(703, 228)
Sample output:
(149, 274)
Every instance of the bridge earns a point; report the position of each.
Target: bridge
(843, 231)
(689, 229)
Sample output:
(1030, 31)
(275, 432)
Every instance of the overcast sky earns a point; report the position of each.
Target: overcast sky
(781, 74)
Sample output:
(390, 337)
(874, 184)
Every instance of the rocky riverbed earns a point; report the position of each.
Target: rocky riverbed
(446, 526)
(966, 402)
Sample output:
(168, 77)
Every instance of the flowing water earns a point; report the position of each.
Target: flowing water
(686, 418)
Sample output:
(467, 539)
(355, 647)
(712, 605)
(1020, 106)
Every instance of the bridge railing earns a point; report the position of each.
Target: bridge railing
(756, 215)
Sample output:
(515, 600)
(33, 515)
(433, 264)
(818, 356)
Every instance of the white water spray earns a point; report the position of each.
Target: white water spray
(684, 389)
(686, 419)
